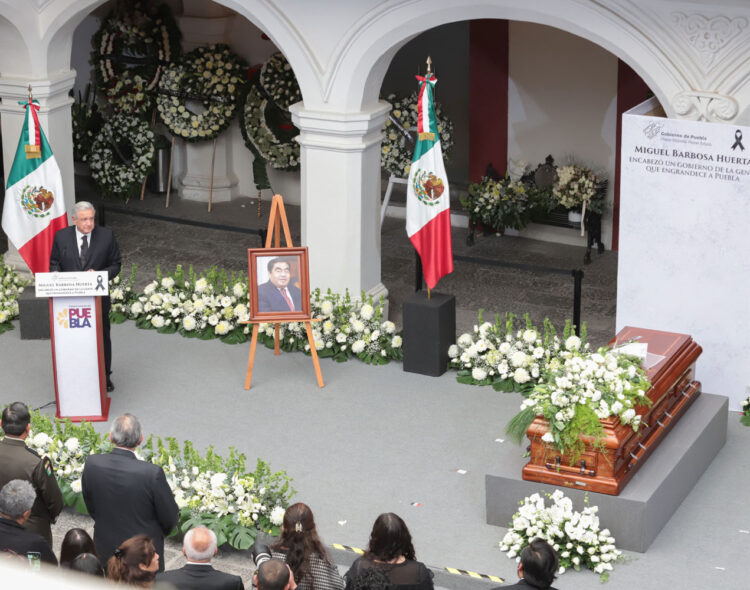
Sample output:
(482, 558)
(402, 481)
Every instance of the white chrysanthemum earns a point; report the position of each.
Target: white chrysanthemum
(326, 308)
(518, 359)
(222, 328)
(136, 308)
(453, 351)
(465, 340)
(358, 326)
(478, 373)
(72, 444)
(358, 346)
(75, 485)
(213, 319)
(521, 375)
(226, 301)
(167, 282)
(396, 341)
(217, 480)
(238, 290)
(157, 321)
(529, 336)
(366, 312)
(388, 327)
(41, 439)
(504, 347)
(340, 337)
(201, 285)
(188, 323)
(573, 343)
(277, 515)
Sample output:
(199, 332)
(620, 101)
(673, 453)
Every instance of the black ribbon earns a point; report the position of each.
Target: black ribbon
(738, 140)
(99, 283)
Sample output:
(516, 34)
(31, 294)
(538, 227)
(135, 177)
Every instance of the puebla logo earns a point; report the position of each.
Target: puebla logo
(74, 317)
(427, 187)
(37, 201)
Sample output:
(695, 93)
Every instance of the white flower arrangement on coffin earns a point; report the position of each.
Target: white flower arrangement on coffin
(213, 77)
(11, 286)
(508, 357)
(122, 155)
(131, 51)
(576, 536)
(396, 151)
(209, 490)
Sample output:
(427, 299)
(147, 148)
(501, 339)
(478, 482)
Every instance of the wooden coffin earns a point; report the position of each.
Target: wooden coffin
(608, 466)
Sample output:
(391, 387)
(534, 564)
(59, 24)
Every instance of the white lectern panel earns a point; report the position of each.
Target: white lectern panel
(76, 356)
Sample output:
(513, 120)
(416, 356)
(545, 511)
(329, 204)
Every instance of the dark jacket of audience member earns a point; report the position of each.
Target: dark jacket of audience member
(126, 496)
(391, 552)
(16, 499)
(537, 568)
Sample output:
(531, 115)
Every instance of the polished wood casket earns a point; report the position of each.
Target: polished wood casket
(608, 465)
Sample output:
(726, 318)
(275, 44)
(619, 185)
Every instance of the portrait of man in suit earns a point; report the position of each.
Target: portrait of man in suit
(278, 293)
(126, 496)
(84, 246)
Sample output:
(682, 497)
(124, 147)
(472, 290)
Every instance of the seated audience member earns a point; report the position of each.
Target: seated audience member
(16, 499)
(370, 579)
(76, 542)
(537, 567)
(390, 551)
(87, 563)
(274, 574)
(304, 553)
(200, 547)
(135, 562)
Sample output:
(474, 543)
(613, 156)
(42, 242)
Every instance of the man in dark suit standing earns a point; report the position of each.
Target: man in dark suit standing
(126, 496)
(83, 247)
(277, 294)
(17, 461)
(199, 547)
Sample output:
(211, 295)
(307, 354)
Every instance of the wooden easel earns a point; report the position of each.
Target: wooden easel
(276, 222)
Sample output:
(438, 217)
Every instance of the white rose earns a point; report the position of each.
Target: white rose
(75, 485)
(157, 321)
(358, 346)
(478, 373)
(396, 342)
(167, 282)
(573, 343)
(366, 312)
(453, 351)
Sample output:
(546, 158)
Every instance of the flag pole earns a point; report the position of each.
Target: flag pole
(429, 71)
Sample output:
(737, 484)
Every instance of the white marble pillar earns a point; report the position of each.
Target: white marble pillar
(341, 197)
(55, 119)
(205, 23)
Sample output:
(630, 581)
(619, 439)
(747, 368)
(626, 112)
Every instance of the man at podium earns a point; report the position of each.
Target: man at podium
(85, 247)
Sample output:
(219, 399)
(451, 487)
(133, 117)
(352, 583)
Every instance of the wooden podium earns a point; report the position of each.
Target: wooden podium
(77, 344)
(609, 463)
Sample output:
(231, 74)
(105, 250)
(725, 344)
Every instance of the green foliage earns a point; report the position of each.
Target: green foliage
(519, 424)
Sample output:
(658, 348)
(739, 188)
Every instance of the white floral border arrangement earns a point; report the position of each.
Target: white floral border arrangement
(214, 303)
(11, 286)
(745, 414)
(209, 490)
(396, 151)
(576, 536)
(142, 30)
(122, 155)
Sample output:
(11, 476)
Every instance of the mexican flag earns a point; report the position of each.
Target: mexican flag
(34, 206)
(428, 215)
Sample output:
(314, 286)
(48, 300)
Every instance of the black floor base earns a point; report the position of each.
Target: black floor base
(429, 330)
(33, 314)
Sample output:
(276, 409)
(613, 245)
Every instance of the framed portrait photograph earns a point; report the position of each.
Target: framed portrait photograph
(279, 284)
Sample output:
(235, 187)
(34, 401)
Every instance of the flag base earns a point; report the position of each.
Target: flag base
(33, 315)
(429, 330)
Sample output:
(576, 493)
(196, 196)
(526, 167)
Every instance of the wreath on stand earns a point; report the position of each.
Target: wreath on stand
(198, 96)
(122, 155)
(131, 51)
(397, 148)
(265, 123)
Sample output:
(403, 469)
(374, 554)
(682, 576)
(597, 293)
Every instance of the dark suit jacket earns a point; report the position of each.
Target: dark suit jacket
(269, 298)
(521, 584)
(103, 253)
(127, 497)
(15, 538)
(196, 577)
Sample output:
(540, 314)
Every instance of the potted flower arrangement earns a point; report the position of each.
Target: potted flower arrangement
(578, 188)
(502, 203)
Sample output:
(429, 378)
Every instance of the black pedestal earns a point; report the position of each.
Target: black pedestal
(429, 330)
(33, 314)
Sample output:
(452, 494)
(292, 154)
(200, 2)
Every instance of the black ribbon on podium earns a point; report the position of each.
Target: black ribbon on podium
(99, 283)
(738, 140)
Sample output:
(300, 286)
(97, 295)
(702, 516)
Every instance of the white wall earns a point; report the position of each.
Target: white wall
(562, 100)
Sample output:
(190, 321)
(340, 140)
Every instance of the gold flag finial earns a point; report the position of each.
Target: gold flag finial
(429, 63)
(30, 97)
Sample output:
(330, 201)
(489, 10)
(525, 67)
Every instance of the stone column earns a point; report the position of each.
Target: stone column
(205, 23)
(340, 209)
(55, 119)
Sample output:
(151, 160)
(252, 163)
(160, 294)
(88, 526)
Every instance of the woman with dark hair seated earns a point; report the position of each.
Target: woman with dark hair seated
(304, 553)
(87, 563)
(135, 562)
(76, 541)
(390, 551)
(537, 568)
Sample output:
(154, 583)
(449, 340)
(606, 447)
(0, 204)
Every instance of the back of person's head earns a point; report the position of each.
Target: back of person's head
(16, 497)
(200, 544)
(539, 562)
(126, 431)
(16, 418)
(389, 538)
(370, 579)
(87, 563)
(299, 540)
(273, 575)
(124, 565)
(75, 542)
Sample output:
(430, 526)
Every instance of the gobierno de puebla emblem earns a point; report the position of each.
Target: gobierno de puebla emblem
(427, 187)
(37, 201)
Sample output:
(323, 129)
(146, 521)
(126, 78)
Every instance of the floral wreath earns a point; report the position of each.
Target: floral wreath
(122, 156)
(212, 75)
(87, 121)
(266, 127)
(132, 48)
(396, 150)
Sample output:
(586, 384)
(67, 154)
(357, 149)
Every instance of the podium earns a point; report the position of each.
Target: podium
(77, 344)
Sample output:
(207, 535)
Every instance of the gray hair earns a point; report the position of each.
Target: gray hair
(82, 206)
(16, 497)
(126, 431)
(199, 544)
